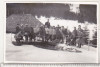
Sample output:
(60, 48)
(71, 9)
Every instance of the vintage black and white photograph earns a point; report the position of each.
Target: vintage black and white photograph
(51, 33)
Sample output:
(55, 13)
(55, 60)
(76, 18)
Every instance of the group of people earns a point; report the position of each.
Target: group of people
(24, 31)
(50, 33)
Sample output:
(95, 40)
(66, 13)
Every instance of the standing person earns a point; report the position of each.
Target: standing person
(79, 40)
(31, 34)
(50, 33)
(42, 33)
(47, 33)
(53, 33)
(94, 41)
(63, 33)
(74, 34)
(47, 24)
(18, 28)
(26, 32)
(68, 37)
(66, 34)
(58, 33)
(18, 36)
(22, 29)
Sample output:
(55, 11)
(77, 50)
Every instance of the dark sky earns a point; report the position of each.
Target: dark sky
(87, 12)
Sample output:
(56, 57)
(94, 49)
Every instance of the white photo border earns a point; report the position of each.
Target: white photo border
(79, 2)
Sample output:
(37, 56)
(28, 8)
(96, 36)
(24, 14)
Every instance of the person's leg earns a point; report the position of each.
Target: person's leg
(66, 40)
(62, 40)
(26, 38)
(47, 37)
(22, 37)
(43, 38)
(34, 37)
(51, 37)
(30, 38)
(18, 43)
(79, 46)
(74, 41)
(17, 40)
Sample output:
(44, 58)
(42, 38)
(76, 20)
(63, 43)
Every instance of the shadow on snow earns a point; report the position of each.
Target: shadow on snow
(44, 45)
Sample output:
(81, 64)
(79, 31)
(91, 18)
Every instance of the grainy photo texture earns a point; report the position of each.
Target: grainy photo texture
(51, 32)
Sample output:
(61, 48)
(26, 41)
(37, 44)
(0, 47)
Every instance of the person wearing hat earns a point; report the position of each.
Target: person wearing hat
(47, 24)
(74, 34)
(18, 28)
(79, 40)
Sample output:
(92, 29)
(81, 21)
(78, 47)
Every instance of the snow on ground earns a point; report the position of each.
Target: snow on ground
(32, 53)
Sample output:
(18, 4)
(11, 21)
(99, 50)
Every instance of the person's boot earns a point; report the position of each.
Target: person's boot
(79, 46)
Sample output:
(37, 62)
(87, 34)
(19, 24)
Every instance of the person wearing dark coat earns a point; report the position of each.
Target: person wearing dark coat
(42, 33)
(68, 37)
(74, 34)
(18, 37)
(79, 40)
(31, 34)
(53, 33)
(22, 29)
(26, 32)
(47, 36)
(59, 35)
(18, 28)
(47, 24)
(63, 33)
